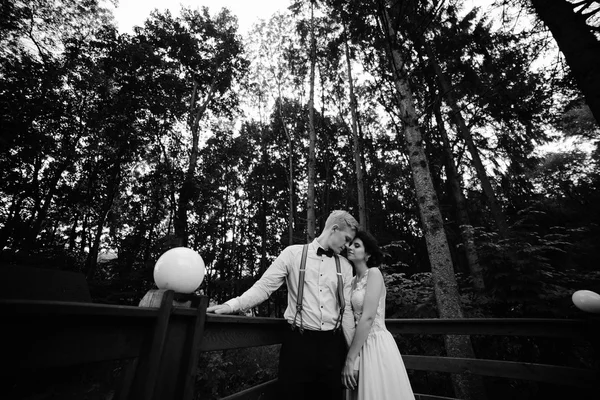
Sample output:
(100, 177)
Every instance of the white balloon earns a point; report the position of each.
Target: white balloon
(586, 300)
(179, 269)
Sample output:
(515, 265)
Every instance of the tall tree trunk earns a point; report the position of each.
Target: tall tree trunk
(291, 190)
(455, 184)
(357, 144)
(290, 172)
(466, 386)
(264, 263)
(374, 195)
(84, 233)
(465, 133)
(310, 197)
(327, 157)
(578, 43)
(134, 248)
(40, 215)
(85, 224)
(188, 190)
(466, 229)
(154, 221)
(35, 190)
(113, 184)
(92, 258)
(42, 209)
(73, 232)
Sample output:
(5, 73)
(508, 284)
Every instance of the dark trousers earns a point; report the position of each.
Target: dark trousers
(310, 365)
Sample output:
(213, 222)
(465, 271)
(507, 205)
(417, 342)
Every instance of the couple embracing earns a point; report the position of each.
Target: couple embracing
(337, 337)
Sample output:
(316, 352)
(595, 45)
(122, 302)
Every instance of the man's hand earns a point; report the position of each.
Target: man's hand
(220, 309)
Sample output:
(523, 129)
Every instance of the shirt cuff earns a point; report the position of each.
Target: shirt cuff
(234, 304)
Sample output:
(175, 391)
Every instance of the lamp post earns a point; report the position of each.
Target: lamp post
(181, 270)
(167, 365)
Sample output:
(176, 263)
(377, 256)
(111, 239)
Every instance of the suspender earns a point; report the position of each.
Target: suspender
(340, 294)
(340, 291)
(300, 288)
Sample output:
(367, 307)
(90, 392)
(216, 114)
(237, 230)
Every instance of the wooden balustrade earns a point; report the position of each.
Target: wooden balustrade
(162, 344)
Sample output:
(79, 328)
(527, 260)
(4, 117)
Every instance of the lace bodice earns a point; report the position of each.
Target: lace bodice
(358, 297)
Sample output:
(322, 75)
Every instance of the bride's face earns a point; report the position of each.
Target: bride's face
(356, 251)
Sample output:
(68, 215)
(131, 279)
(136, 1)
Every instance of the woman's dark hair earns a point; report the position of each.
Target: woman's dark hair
(371, 247)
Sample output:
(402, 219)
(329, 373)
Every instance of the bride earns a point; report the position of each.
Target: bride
(382, 374)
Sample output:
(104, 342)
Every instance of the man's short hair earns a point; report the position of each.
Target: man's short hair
(343, 219)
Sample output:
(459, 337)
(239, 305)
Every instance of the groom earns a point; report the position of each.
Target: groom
(312, 352)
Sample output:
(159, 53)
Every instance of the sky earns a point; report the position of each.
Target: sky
(130, 13)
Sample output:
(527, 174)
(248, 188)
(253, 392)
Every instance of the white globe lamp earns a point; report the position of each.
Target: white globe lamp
(179, 269)
(587, 301)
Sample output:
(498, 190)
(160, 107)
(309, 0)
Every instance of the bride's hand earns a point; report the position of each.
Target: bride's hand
(350, 375)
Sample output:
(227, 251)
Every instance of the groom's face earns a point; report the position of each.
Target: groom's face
(340, 238)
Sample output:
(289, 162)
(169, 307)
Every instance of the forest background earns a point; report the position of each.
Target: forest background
(465, 140)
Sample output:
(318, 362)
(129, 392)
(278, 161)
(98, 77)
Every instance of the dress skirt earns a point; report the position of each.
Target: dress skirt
(382, 374)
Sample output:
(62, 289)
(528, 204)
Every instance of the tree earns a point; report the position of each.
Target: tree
(356, 141)
(310, 198)
(495, 208)
(208, 53)
(44, 52)
(277, 67)
(466, 229)
(576, 40)
(446, 288)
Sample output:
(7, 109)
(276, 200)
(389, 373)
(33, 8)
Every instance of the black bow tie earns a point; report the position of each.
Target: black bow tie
(321, 251)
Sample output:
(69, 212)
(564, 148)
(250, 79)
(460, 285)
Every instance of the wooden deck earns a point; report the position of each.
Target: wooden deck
(163, 344)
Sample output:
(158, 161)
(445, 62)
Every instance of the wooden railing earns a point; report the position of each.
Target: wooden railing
(163, 344)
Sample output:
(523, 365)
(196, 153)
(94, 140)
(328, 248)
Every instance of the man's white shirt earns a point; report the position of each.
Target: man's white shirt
(320, 306)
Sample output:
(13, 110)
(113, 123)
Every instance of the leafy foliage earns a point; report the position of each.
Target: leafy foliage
(224, 373)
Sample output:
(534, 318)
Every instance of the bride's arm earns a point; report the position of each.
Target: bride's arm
(363, 327)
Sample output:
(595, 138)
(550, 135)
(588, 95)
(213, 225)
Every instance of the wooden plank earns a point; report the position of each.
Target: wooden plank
(268, 391)
(227, 332)
(174, 359)
(264, 391)
(123, 390)
(145, 382)
(420, 396)
(40, 308)
(196, 338)
(487, 326)
(506, 369)
(237, 319)
(179, 361)
(497, 326)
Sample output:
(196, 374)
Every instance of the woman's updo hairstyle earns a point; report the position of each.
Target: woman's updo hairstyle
(371, 247)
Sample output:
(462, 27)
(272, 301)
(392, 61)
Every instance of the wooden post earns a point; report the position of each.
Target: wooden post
(167, 367)
(194, 352)
(146, 379)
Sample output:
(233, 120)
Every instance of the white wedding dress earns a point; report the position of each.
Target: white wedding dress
(382, 374)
